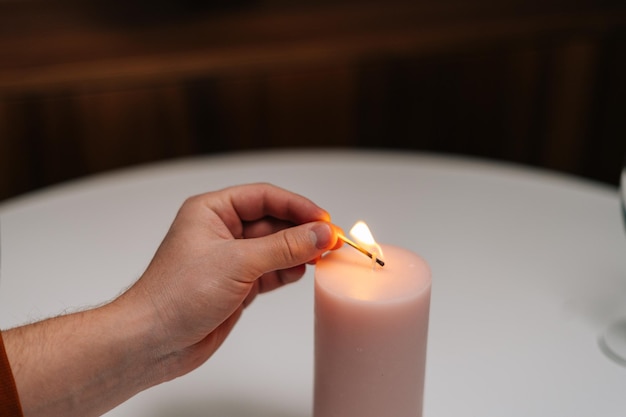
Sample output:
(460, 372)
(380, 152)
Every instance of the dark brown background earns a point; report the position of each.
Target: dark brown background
(87, 87)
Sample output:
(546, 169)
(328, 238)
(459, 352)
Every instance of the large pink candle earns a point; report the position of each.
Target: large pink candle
(371, 328)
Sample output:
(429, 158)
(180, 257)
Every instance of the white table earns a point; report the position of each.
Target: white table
(528, 267)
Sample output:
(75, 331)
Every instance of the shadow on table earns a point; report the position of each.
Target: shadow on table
(233, 407)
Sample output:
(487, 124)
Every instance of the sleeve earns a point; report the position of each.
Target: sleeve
(9, 399)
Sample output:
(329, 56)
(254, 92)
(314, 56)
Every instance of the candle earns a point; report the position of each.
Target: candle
(371, 326)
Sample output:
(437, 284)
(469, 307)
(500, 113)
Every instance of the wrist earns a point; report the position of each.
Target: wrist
(140, 343)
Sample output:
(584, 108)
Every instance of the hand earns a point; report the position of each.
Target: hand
(223, 249)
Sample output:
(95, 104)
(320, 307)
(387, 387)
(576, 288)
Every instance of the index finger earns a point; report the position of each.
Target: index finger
(244, 203)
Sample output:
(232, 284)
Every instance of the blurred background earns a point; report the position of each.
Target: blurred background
(92, 86)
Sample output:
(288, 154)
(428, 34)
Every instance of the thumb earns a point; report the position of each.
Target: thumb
(290, 247)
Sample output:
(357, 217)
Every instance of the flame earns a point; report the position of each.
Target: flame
(363, 236)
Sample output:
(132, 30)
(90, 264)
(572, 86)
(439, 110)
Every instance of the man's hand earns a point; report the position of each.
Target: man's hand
(222, 249)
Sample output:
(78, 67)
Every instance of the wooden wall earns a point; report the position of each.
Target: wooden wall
(87, 87)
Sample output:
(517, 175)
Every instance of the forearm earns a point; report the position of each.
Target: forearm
(83, 364)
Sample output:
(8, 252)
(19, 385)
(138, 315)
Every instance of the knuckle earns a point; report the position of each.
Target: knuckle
(295, 246)
(291, 246)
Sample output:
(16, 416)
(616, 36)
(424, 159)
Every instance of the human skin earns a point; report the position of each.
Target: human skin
(222, 249)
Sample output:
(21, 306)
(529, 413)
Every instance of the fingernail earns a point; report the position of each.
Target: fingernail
(321, 235)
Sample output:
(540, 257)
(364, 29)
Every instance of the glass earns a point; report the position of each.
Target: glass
(613, 340)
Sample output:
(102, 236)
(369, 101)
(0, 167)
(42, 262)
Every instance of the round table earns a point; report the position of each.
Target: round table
(528, 268)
